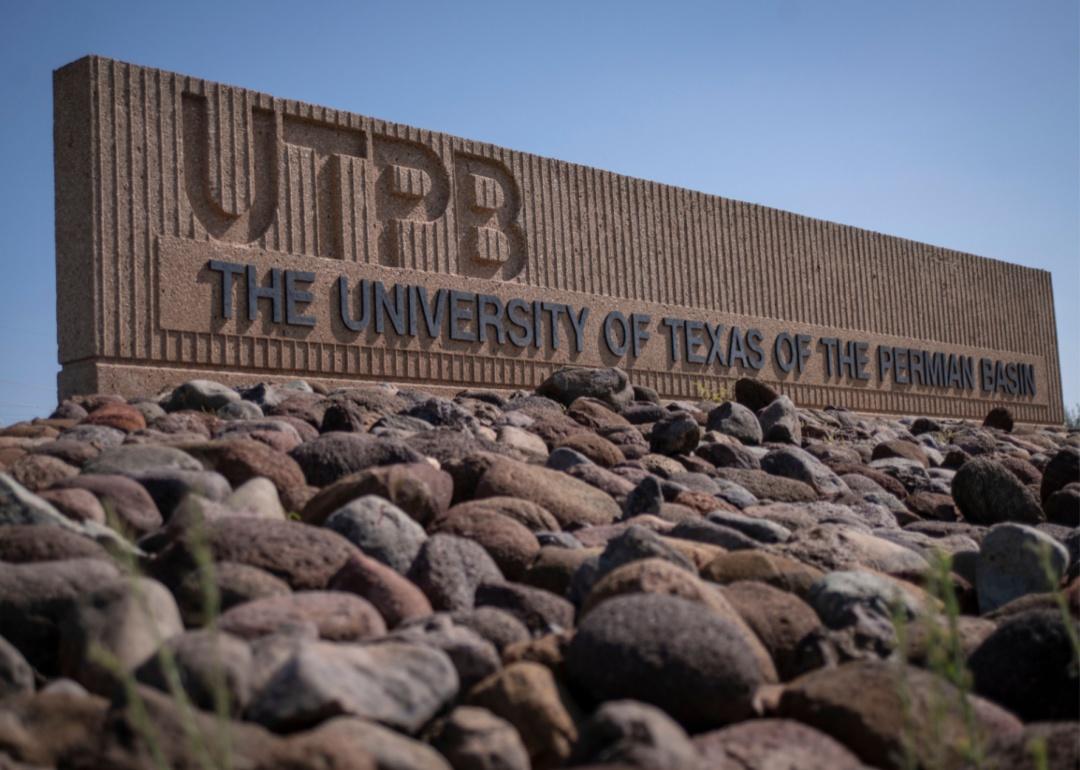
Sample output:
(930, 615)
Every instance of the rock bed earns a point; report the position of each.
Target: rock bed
(282, 577)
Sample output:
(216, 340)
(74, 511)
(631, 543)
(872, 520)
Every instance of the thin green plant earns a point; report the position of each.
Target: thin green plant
(207, 758)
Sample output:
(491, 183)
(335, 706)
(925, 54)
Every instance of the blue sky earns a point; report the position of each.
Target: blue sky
(951, 122)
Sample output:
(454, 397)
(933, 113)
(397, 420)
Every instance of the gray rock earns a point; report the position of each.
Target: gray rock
(986, 492)
(35, 597)
(388, 748)
(16, 676)
(611, 386)
(755, 395)
(381, 530)
(1028, 665)
(1016, 560)
(168, 486)
(336, 454)
(1063, 468)
(762, 530)
(101, 436)
(201, 396)
(627, 732)
(443, 413)
(128, 618)
(131, 459)
(497, 626)
(240, 410)
(215, 669)
(910, 473)
(842, 599)
(448, 569)
(780, 422)
(473, 656)
(698, 667)
(399, 684)
(18, 506)
(564, 458)
(714, 534)
(736, 494)
(724, 455)
(646, 497)
(634, 543)
(795, 463)
(541, 611)
(257, 495)
(473, 738)
(733, 419)
(675, 433)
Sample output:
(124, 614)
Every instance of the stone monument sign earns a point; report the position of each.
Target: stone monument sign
(204, 230)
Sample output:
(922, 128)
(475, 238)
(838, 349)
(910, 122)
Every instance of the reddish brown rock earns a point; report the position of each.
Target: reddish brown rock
(120, 416)
(419, 489)
(20, 543)
(596, 448)
(885, 711)
(37, 472)
(76, 504)
(239, 460)
(907, 450)
(528, 697)
(510, 544)
(778, 571)
(572, 502)
(780, 619)
(121, 497)
(304, 556)
(338, 616)
(396, 598)
(783, 744)
(532, 516)
(595, 414)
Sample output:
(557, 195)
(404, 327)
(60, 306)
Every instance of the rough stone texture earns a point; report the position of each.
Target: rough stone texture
(474, 657)
(305, 557)
(420, 490)
(208, 664)
(1015, 560)
(527, 696)
(337, 616)
(783, 744)
(733, 419)
(333, 455)
(703, 676)
(606, 598)
(472, 738)
(16, 676)
(1063, 468)
(400, 684)
(569, 384)
(780, 422)
(396, 598)
(127, 618)
(35, 597)
(380, 529)
(510, 544)
(861, 706)
(121, 497)
(987, 493)
(1028, 666)
(636, 734)
(449, 569)
(21, 543)
(571, 502)
(780, 619)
